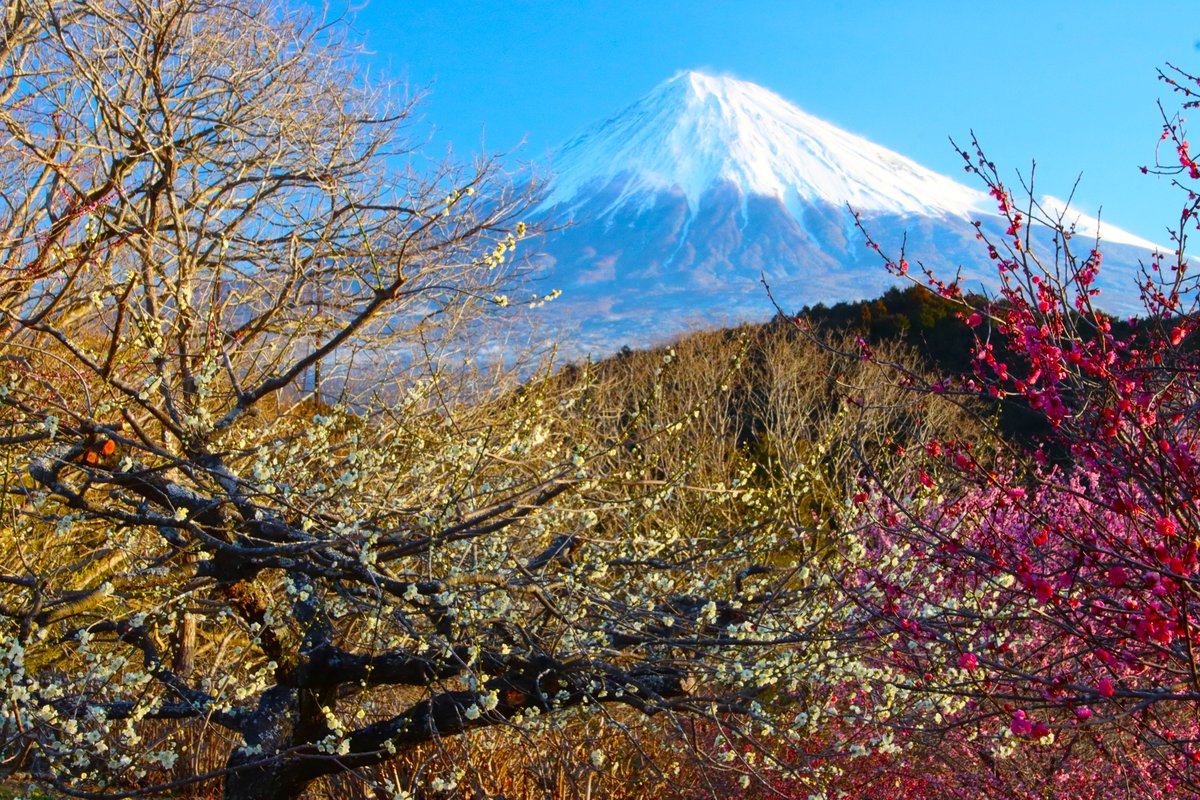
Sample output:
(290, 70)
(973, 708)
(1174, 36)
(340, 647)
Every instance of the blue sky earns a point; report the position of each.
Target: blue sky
(1070, 84)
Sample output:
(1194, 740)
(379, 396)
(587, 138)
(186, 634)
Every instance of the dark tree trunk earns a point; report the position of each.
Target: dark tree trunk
(276, 726)
(272, 782)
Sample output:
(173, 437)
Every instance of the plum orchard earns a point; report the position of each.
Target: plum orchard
(254, 490)
(259, 495)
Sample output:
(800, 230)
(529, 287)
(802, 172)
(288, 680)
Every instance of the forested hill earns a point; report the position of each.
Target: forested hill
(915, 315)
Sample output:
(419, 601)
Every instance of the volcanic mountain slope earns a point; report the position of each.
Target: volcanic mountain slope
(671, 211)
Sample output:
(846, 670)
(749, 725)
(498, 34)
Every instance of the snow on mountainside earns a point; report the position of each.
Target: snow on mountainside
(677, 205)
(695, 131)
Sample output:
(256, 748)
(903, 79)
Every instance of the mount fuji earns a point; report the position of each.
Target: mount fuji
(664, 217)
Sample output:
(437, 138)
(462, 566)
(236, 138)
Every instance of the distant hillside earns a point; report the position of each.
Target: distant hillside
(783, 359)
(766, 402)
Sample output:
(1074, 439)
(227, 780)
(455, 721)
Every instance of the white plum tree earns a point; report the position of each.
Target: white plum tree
(256, 482)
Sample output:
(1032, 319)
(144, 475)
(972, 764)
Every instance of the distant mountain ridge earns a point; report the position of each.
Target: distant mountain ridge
(674, 207)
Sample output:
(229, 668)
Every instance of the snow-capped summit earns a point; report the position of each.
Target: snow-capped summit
(666, 215)
(695, 131)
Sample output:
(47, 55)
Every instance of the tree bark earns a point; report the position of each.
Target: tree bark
(184, 658)
(274, 782)
(272, 730)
